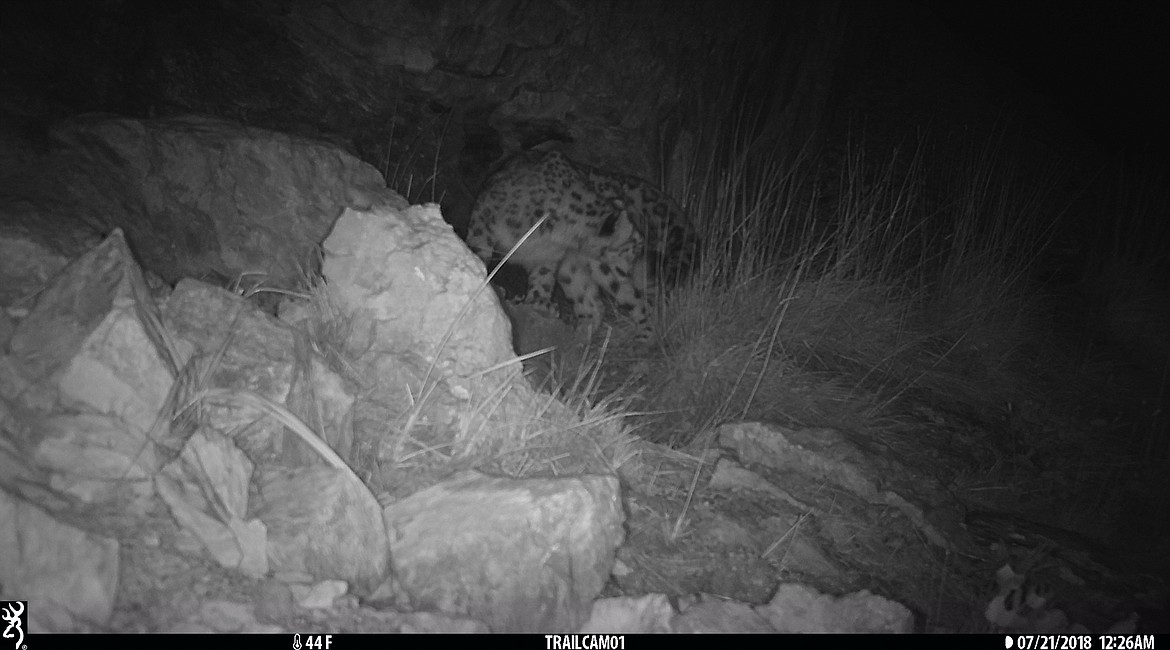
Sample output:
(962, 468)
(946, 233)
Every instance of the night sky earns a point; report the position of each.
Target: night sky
(1106, 65)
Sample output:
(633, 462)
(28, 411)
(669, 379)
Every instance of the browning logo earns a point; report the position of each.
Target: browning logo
(12, 614)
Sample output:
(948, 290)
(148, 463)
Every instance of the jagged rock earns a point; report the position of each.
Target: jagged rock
(93, 335)
(96, 339)
(274, 600)
(193, 194)
(730, 475)
(828, 454)
(70, 576)
(321, 521)
(25, 263)
(797, 608)
(721, 617)
(206, 490)
(223, 617)
(262, 355)
(794, 608)
(319, 595)
(430, 623)
(649, 614)
(89, 367)
(429, 327)
(520, 555)
(413, 286)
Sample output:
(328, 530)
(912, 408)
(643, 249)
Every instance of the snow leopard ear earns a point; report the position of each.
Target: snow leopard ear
(618, 224)
(624, 229)
(1005, 575)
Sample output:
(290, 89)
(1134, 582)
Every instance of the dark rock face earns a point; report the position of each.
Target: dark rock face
(432, 94)
(195, 195)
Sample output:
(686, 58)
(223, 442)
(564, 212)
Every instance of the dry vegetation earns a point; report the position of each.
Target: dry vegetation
(924, 299)
(908, 300)
(926, 309)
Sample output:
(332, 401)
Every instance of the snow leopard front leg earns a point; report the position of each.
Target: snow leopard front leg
(576, 281)
(624, 281)
(541, 281)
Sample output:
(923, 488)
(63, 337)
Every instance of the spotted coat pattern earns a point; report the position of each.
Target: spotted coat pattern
(605, 234)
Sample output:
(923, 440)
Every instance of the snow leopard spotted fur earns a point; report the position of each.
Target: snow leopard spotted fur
(606, 235)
